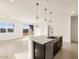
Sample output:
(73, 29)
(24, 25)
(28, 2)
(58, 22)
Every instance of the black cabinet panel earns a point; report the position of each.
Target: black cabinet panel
(39, 51)
(57, 46)
(49, 50)
(43, 51)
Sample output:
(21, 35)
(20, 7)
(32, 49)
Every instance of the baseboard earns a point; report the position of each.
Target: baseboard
(66, 44)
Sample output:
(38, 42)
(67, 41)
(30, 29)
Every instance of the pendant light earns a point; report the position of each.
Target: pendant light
(37, 4)
(45, 14)
(50, 17)
(50, 25)
(37, 16)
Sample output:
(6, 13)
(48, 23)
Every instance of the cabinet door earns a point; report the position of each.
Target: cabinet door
(57, 46)
(38, 51)
(61, 40)
(49, 50)
(54, 48)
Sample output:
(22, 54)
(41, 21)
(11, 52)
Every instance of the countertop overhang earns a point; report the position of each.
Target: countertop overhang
(43, 39)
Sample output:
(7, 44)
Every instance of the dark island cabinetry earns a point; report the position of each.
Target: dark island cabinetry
(57, 44)
(47, 50)
(43, 51)
(39, 51)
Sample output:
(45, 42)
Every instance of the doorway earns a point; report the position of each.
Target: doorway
(74, 37)
(74, 28)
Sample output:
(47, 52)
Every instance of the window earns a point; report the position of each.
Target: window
(10, 30)
(2, 30)
(10, 27)
(2, 27)
(25, 29)
(5, 26)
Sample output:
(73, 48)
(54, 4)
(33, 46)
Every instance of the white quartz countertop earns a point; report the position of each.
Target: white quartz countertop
(42, 39)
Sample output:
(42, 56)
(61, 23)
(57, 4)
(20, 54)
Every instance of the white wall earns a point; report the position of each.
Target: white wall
(74, 28)
(42, 28)
(62, 24)
(14, 35)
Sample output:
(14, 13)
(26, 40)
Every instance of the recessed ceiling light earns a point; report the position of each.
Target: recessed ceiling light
(11, 0)
(73, 12)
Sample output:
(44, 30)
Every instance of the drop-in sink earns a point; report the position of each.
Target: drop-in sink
(52, 37)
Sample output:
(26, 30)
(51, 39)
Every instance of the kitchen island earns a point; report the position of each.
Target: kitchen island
(46, 47)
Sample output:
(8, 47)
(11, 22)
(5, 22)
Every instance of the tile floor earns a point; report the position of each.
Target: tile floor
(18, 49)
(15, 49)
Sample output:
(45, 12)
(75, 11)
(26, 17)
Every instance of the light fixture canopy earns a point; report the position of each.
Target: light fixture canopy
(12, 0)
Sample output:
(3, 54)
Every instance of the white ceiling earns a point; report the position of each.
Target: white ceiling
(25, 10)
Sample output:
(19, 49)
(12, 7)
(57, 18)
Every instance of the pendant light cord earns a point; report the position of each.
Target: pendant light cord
(37, 10)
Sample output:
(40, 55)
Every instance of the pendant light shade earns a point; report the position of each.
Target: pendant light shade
(37, 3)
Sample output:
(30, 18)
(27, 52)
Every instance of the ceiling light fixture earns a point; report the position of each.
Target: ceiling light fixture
(12, 0)
(37, 17)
